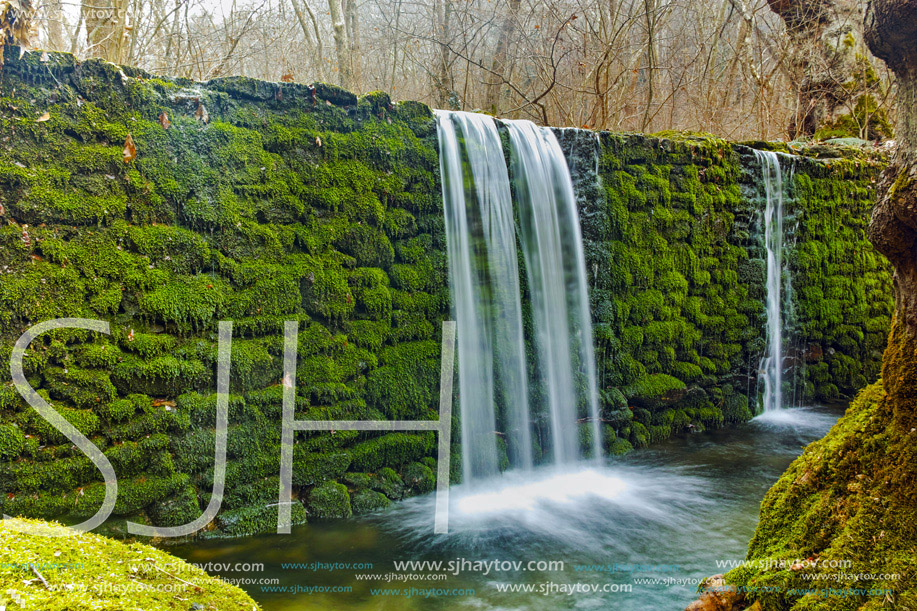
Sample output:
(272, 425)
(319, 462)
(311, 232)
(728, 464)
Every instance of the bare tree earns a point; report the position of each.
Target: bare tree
(341, 43)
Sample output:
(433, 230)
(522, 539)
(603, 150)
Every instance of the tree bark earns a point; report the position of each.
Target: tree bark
(341, 44)
(317, 43)
(891, 29)
(826, 36)
(443, 85)
(352, 19)
(106, 22)
(501, 53)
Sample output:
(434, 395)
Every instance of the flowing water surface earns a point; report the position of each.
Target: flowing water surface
(654, 522)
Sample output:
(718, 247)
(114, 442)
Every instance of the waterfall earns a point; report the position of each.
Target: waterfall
(556, 271)
(771, 370)
(484, 282)
(481, 239)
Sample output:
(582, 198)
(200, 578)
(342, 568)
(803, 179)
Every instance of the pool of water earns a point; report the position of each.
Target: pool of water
(638, 532)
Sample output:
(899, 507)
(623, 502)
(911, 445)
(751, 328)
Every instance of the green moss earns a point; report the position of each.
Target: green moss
(368, 501)
(12, 441)
(394, 449)
(849, 498)
(107, 567)
(249, 521)
(419, 478)
(310, 469)
(330, 500)
(388, 482)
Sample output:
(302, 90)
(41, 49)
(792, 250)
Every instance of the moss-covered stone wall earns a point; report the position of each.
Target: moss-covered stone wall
(261, 202)
(841, 292)
(247, 201)
(674, 245)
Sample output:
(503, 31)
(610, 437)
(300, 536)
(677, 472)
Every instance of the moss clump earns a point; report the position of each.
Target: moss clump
(100, 571)
(12, 441)
(367, 501)
(330, 500)
(850, 498)
(255, 520)
(419, 478)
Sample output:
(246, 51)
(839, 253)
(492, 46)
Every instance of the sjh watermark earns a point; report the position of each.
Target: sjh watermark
(289, 426)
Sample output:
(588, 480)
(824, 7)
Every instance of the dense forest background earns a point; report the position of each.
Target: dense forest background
(743, 69)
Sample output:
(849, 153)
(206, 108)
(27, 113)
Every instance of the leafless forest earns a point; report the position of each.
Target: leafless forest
(741, 69)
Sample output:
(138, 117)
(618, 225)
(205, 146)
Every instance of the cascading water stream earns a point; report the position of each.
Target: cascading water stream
(556, 266)
(484, 282)
(772, 365)
(484, 279)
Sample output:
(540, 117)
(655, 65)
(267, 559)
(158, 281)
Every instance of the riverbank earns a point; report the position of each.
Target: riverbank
(89, 572)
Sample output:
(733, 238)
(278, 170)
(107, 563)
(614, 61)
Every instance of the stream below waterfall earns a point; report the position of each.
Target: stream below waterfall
(668, 513)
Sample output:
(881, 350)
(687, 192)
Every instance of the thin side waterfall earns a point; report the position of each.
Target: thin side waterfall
(772, 365)
(555, 263)
(484, 282)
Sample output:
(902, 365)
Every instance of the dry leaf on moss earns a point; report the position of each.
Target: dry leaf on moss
(130, 149)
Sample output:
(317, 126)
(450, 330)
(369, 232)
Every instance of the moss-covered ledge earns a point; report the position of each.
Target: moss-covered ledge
(838, 531)
(85, 571)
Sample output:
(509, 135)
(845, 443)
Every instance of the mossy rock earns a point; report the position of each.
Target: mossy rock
(419, 478)
(106, 567)
(330, 500)
(825, 506)
(368, 501)
(255, 520)
(389, 483)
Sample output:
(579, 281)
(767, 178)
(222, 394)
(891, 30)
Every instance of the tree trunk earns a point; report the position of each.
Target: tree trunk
(826, 36)
(501, 53)
(443, 85)
(316, 45)
(352, 19)
(55, 13)
(891, 29)
(341, 44)
(106, 22)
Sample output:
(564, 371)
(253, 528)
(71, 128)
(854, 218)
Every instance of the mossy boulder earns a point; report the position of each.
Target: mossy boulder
(330, 500)
(847, 502)
(96, 571)
(367, 501)
(419, 478)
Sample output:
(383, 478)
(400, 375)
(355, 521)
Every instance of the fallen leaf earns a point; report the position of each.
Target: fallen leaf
(130, 150)
(201, 113)
(164, 120)
(44, 117)
(287, 78)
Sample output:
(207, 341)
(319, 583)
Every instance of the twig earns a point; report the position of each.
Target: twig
(40, 576)
(174, 577)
